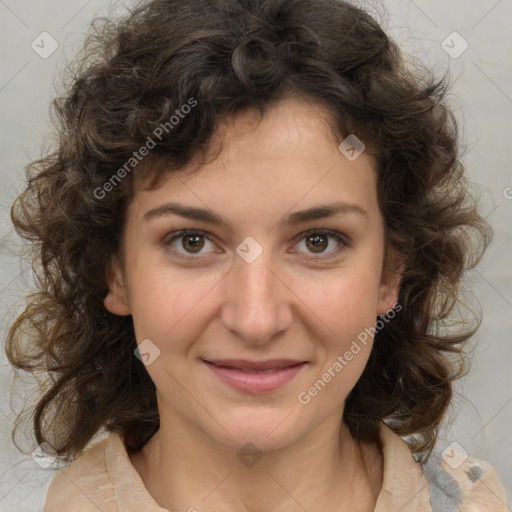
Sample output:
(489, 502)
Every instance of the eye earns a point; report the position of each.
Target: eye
(317, 241)
(192, 242)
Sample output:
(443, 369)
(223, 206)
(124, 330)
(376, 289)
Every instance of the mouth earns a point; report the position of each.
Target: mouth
(256, 376)
(255, 366)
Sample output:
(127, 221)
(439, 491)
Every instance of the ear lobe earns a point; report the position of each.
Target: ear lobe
(390, 283)
(116, 300)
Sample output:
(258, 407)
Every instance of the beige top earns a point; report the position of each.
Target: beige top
(103, 479)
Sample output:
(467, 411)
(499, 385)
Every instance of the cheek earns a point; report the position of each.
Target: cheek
(166, 301)
(345, 302)
(343, 306)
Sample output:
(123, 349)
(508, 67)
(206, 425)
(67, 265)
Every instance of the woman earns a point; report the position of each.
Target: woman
(251, 238)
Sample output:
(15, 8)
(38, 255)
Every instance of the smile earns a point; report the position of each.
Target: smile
(256, 380)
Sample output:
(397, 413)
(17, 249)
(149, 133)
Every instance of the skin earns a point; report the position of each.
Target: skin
(217, 305)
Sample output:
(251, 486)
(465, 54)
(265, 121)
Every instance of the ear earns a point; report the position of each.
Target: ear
(390, 282)
(116, 300)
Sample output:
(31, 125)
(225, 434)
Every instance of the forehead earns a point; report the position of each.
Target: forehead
(289, 155)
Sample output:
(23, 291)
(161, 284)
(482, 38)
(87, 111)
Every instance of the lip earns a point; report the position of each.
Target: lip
(251, 380)
(244, 364)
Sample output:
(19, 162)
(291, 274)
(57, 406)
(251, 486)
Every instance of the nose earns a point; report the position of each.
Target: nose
(256, 302)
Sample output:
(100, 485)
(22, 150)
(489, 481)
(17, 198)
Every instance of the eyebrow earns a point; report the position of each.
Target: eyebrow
(205, 215)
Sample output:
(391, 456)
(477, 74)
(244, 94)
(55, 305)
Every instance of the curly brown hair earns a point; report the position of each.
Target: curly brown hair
(231, 55)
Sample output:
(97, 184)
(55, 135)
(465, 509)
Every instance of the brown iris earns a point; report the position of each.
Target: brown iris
(316, 241)
(195, 245)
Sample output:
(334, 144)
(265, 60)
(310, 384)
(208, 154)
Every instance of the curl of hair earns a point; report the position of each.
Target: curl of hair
(230, 55)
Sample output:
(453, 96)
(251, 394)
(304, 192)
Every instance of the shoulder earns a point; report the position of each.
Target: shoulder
(85, 485)
(450, 481)
(466, 482)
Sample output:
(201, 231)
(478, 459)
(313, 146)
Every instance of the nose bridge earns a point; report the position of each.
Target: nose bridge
(255, 304)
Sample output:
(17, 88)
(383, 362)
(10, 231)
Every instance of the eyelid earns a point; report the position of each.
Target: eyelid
(341, 238)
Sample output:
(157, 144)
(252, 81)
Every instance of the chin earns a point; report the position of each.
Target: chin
(267, 431)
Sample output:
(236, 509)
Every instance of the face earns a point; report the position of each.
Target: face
(260, 283)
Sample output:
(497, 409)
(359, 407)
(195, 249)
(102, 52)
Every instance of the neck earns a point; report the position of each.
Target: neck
(184, 469)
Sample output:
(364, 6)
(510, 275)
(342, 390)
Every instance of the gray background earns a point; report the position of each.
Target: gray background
(482, 98)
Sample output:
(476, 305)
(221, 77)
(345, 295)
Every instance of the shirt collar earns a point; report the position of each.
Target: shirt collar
(404, 486)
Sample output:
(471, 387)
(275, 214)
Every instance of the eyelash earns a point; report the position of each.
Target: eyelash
(343, 241)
